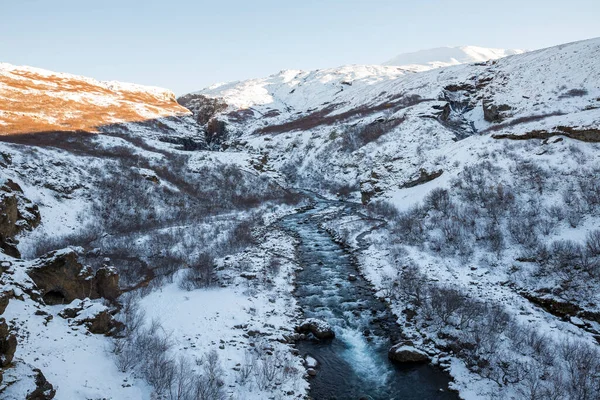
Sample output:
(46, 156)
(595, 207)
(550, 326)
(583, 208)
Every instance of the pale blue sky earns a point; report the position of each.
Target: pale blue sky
(186, 45)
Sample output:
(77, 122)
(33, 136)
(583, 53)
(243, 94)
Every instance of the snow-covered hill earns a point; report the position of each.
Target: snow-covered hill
(107, 196)
(446, 56)
(482, 192)
(380, 117)
(139, 258)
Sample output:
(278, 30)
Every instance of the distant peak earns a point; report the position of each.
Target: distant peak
(446, 56)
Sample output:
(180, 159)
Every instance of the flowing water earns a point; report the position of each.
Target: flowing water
(354, 365)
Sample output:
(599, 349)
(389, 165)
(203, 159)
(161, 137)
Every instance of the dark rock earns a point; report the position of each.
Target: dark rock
(69, 312)
(352, 277)
(319, 329)
(467, 87)
(8, 344)
(493, 112)
(17, 214)
(248, 275)
(9, 248)
(43, 390)
(102, 323)
(4, 299)
(204, 108)
(403, 353)
(590, 135)
(410, 314)
(445, 114)
(107, 283)
(61, 279)
(424, 177)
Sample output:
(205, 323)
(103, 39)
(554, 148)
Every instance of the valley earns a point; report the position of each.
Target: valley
(363, 232)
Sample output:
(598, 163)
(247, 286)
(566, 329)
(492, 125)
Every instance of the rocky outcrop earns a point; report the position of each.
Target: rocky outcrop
(403, 353)
(368, 190)
(424, 177)
(61, 279)
(43, 389)
(95, 316)
(5, 296)
(24, 381)
(204, 108)
(102, 323)
(585, 135)
(493, 112)
(17, 213)
(107, 283)
(372, 186)
(8, 345)
(318, 328)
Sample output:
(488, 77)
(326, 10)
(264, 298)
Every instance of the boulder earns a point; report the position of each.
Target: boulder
(61, 279)
(102, 323)
(402, 353)
(318, 328)
(94, 315)
(310, 362)
(70, 312)
(17, 213)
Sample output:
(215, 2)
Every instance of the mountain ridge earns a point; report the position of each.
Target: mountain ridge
(445, 56)
(468, 197)
(38, 100)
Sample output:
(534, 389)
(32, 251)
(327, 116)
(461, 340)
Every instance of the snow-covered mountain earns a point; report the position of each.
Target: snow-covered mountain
(141, 255)
(480, 181)
(446, 56)
(460, 100)
(105, 191)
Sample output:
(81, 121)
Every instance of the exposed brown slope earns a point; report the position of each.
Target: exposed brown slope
(34, 100)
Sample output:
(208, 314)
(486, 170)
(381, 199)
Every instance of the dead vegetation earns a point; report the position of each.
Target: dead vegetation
(325, 117)
(585, 135)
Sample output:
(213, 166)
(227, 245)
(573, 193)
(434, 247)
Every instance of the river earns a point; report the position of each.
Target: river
(354, 365)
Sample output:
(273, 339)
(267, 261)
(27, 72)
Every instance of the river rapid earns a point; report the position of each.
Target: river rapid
(353, 365)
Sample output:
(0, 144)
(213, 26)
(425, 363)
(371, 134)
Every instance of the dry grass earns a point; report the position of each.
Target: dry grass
(30, 103)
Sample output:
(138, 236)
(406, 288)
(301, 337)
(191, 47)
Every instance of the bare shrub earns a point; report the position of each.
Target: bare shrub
(247, 368)
(583, 370)
(209, 385)
(383, 209)
(413, 284)
(200, 273)
(409, 226)
(356, 136)
(592, 243)
(577, 92)
(439, 200)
